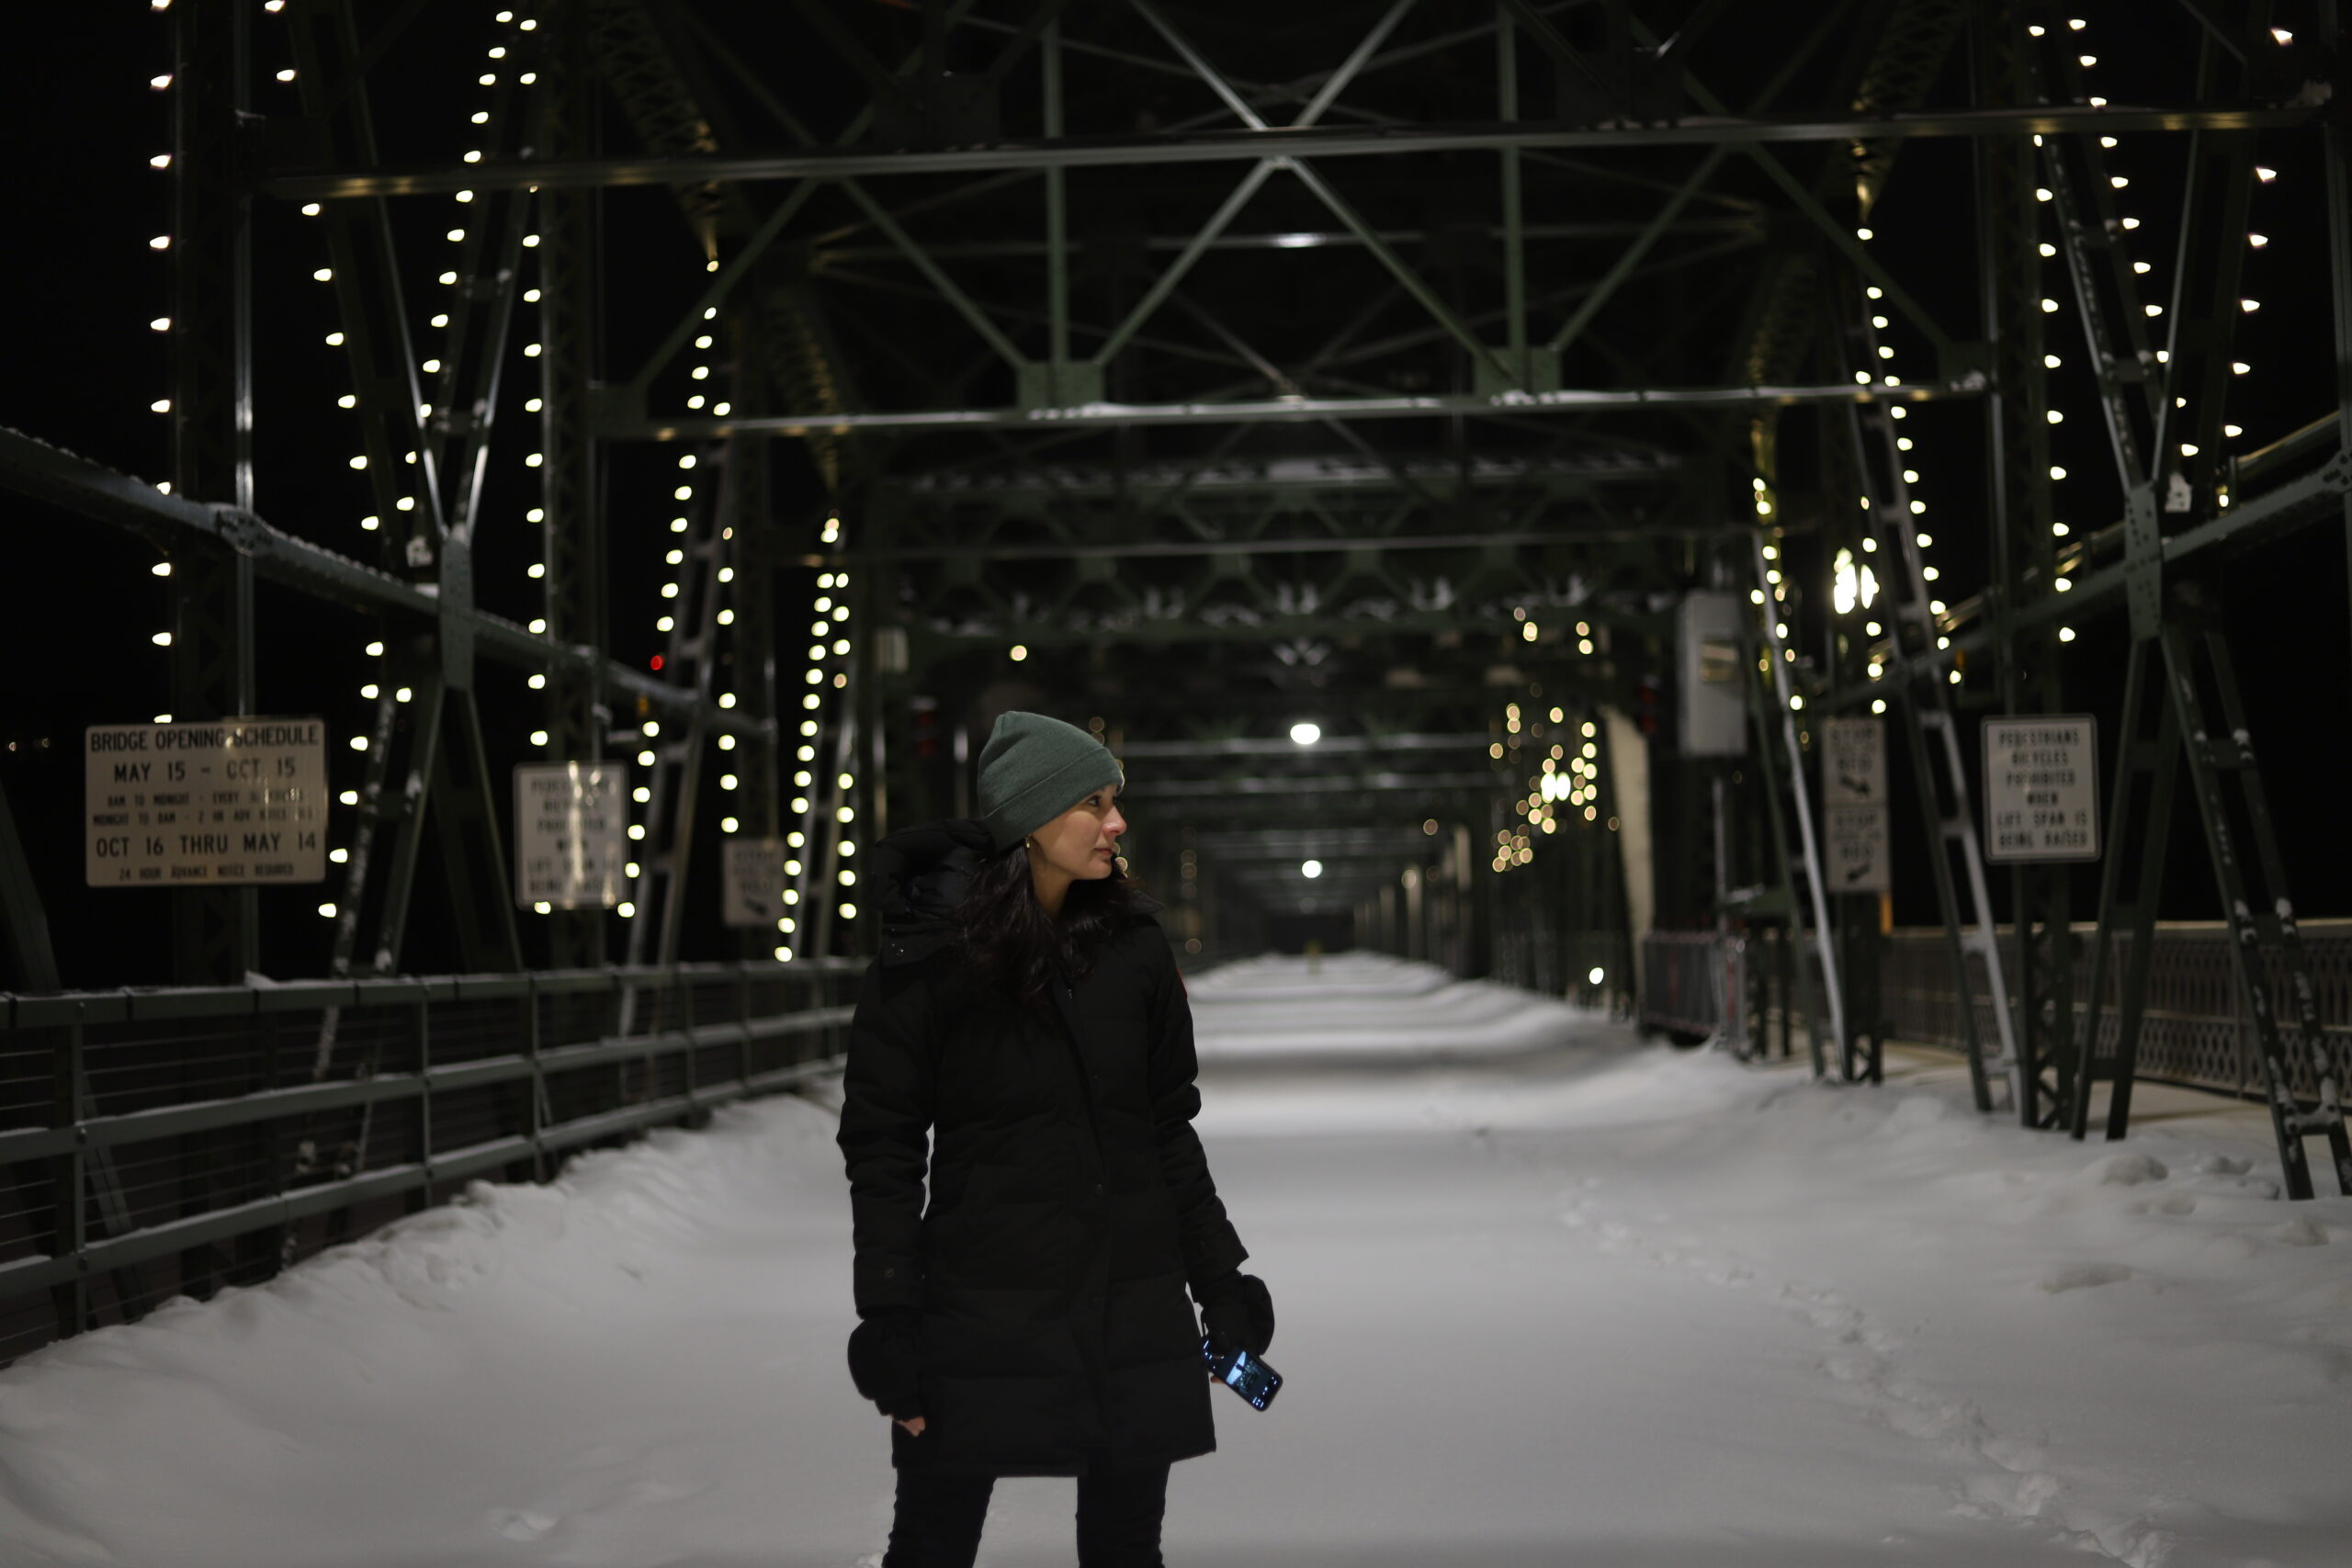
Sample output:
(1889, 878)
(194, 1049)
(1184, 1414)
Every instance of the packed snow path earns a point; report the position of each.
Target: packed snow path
(1546, 1296)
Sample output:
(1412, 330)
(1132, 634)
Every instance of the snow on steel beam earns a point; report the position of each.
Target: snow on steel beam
(1278, 141)
(1278, 410)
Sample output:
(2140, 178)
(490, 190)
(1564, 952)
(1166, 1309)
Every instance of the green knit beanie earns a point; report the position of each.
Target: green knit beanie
(1033, 769)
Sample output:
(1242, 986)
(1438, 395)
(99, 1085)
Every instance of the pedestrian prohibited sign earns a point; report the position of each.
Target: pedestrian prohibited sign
(570, 834)
(751, 883)
(2041, 789)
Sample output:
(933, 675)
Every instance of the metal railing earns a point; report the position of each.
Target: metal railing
(170, 1141)
(1533, 955)
(2195, 1032)
(2195, 1029)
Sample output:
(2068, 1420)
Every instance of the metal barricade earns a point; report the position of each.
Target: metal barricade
(1695, 983)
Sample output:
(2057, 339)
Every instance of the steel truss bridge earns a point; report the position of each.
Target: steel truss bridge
(1198, 373)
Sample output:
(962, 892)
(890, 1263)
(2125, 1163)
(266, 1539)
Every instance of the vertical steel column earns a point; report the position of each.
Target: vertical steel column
(1853, 531)
(571, 493)
(2339, 253)
(1916, 673)
(751, 653)
(1775, 698)
(754, 653)
(1514, 236)
(69, 1208)
(215, 931)
(2017, 487)
(866, 742)
(215, 934)
(28, 961)
(1049, 58)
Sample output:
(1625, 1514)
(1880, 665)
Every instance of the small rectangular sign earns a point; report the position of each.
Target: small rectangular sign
(1855, 853)
(2041, 789)
(753, 875)
(570, 834)
(1853, 762)
(223, 802)
(1711, 674)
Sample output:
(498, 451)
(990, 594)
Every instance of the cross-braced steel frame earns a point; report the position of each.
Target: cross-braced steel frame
(1395, 368)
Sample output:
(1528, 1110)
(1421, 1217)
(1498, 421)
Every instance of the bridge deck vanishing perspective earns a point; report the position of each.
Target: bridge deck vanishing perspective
(1541, 1300)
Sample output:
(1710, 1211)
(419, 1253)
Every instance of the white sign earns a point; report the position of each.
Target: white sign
(753, 875)
(1853, 762)
(570, 834)
(1855, 850)
(197, 804)
(2041, 789)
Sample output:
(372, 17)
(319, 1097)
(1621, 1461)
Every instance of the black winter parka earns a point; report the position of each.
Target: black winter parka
(1070, 1198)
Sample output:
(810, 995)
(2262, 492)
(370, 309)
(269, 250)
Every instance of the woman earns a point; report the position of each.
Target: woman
(1026, 1014)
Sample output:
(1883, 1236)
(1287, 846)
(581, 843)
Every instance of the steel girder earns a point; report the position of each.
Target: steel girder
(573, 547)
(215, 931)
(1249, 146)
(2023, 548)
(75, 484)
(1066, 605)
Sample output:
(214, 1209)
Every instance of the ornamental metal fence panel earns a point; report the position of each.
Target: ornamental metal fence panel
(2195, 1030)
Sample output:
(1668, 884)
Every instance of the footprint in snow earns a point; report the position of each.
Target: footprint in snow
(520, 1524)
(2126, 1170)
(2011, 1494)
(2082, 1275)
(2175, 1203)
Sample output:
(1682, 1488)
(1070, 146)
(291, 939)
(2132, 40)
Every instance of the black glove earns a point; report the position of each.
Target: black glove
(1237, 1311)
(883, 1356)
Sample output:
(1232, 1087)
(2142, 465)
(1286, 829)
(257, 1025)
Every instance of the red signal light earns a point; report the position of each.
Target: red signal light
(656, 662)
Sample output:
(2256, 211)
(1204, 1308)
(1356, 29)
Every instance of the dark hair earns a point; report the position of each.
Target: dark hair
(1012, 946)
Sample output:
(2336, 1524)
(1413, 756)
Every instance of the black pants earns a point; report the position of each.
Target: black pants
(939, 1518)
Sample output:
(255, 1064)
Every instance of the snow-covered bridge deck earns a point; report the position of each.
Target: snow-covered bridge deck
(1546, 1296)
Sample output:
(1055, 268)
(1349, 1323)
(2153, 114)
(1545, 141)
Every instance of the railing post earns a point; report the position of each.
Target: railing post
(538, 1124)
(687, 1028)
(71, 1300)
(743, 1023)
(422, 1197)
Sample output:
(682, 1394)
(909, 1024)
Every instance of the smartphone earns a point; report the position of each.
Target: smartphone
(1244, 1374)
